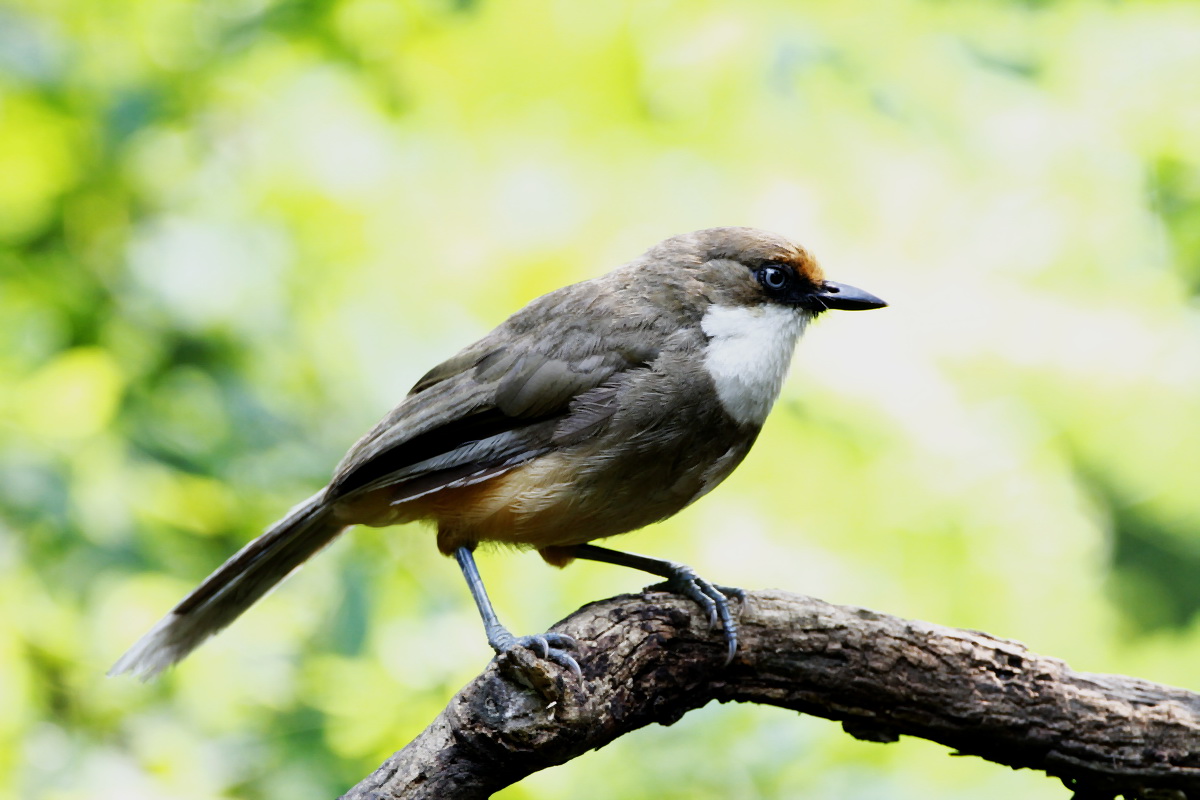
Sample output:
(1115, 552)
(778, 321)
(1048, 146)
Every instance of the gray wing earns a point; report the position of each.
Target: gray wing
(539, 378)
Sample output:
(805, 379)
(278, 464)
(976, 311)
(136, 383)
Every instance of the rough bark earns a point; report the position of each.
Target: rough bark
(651, 658)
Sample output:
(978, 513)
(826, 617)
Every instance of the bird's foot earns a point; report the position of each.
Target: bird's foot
(710, 597)
(549, 646)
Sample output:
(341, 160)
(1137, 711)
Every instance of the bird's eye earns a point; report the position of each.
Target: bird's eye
(773, 278)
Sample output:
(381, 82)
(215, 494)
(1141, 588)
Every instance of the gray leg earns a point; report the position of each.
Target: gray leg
(681, 579)
(550, 646)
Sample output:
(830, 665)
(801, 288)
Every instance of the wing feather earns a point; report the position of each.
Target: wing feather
(500, 402)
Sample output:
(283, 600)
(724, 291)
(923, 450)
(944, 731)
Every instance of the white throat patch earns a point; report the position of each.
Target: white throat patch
(749, 352)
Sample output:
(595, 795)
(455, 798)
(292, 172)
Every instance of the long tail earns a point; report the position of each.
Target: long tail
(233, 588)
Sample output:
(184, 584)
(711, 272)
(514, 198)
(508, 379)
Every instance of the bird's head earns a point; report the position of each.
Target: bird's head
(752, 293)
(746, 267)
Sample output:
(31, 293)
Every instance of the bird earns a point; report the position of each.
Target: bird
(595, 410)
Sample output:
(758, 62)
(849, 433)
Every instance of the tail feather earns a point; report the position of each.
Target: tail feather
(234, 587)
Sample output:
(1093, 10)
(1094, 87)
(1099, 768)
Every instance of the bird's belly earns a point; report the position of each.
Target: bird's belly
(550, 502)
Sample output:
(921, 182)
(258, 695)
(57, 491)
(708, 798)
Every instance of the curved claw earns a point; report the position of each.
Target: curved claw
(565, 659)
(731, 592)
(713, 599)
(549, 646)
(538, 643)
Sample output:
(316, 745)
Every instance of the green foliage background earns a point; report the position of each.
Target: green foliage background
(233, 233)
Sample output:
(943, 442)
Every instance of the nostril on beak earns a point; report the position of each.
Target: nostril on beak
(839, 295)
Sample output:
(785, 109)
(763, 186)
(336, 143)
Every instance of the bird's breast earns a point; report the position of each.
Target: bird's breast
(628, 476)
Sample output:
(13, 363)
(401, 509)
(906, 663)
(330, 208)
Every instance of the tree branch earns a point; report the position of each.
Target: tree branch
(651, 658)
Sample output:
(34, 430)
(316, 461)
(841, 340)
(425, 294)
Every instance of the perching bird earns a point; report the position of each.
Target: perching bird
(595, 410)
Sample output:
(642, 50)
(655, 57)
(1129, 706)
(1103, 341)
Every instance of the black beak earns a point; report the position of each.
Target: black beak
(846, 298)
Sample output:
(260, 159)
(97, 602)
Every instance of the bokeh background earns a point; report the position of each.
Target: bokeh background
(233, 233)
